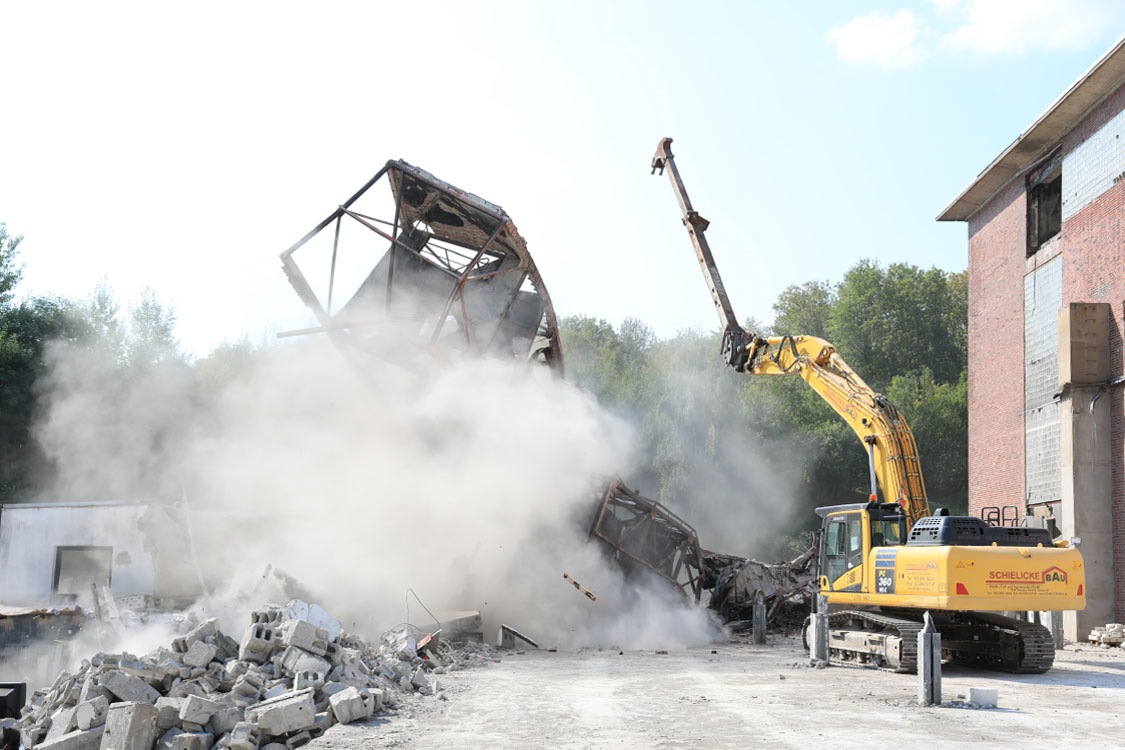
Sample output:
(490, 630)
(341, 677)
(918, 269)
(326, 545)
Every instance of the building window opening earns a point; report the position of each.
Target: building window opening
(77, 567)
(1044, 206)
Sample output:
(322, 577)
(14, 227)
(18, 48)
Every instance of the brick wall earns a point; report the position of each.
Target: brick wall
(997, 242)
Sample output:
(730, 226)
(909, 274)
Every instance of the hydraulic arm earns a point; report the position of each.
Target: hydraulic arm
(891, 450)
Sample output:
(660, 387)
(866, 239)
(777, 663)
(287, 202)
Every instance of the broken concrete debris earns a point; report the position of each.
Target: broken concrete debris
(294, 675)
(1113, 634)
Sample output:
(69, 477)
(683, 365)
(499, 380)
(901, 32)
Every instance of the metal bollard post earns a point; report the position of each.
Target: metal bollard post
(759, 615)
(820, 629)
(1056, 627)
(929, 664)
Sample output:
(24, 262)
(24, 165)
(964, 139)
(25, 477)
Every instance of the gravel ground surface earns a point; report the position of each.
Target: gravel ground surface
(746, 696)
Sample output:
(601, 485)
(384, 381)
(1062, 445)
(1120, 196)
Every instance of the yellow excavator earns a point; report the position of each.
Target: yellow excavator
(883, 563)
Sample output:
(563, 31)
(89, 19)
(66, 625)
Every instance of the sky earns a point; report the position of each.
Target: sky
(182, 147)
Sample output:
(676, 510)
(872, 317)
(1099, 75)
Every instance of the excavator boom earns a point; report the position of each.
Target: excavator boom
(892, 452)
(734, 337)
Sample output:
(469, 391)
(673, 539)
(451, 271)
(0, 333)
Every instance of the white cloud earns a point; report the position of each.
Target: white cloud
(880, 38)
(1013, 27)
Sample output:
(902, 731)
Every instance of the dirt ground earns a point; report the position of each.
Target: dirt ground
(746, 696)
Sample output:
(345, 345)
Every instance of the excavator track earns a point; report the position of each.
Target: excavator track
(998, 642)
(984, 640)
(878, 639)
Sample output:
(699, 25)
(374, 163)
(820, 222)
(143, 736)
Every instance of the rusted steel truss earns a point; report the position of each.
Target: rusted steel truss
(454, 278)
(643, 534)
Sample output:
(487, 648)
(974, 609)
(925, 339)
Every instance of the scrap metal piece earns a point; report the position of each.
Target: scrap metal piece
(643, 534)
(454, 276)
(589, 594)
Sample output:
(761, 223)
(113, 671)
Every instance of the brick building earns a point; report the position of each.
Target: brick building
(1046, 299)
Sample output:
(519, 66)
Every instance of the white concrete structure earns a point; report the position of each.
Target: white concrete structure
(59, 548)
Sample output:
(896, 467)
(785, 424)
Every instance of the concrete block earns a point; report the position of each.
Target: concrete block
(88, 739)
(258, 643)
(331, 688)
(167, 713)
(62, 722)
(128, 688)
(308, 679)
(200, 654)
(295, 659)
(184, 688)
(245, 691)
(352, 705)
(91, 713)
(419, 679)
(141, 669)
(91, 689)
(271, 615)
(225, 720)
(166, 739)
(984, 697)
(129, 726)
(275, 692)
(198, 710)
(325, 720)
(303, 737)
(291, 712)
(275, 746)
(192, 741)
(379, 698)
(303, 635)
(204, 631)
(244, 736)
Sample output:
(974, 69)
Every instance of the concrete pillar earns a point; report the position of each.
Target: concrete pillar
(1085, 459)
(929, 664)
(759, 616)
(820, 629)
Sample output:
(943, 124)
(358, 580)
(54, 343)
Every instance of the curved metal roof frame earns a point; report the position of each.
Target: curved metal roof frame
(457, 258)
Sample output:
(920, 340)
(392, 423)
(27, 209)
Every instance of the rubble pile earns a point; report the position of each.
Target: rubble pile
(294, 674)
(788, 587)
(1113, 634)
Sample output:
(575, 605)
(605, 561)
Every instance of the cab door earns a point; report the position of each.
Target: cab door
(843, 551)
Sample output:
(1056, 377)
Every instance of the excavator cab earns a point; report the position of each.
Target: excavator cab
(848, 535)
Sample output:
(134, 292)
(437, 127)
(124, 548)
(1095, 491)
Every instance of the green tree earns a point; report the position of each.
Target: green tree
(11, 271)
(938, 416)
(25, 331)
(804, 309)
(150, 339)
(898, 320)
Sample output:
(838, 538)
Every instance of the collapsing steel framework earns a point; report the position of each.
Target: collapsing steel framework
(456, 277)
(643, 534)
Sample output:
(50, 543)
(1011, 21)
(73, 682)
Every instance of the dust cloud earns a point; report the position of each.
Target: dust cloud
(471, 483)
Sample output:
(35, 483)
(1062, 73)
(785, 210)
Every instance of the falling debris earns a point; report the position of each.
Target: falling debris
(589, 594)
(294, 675)
(643, 534)
(454, 277)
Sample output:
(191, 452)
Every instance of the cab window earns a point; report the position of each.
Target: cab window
(835, 549)
(855, 540)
